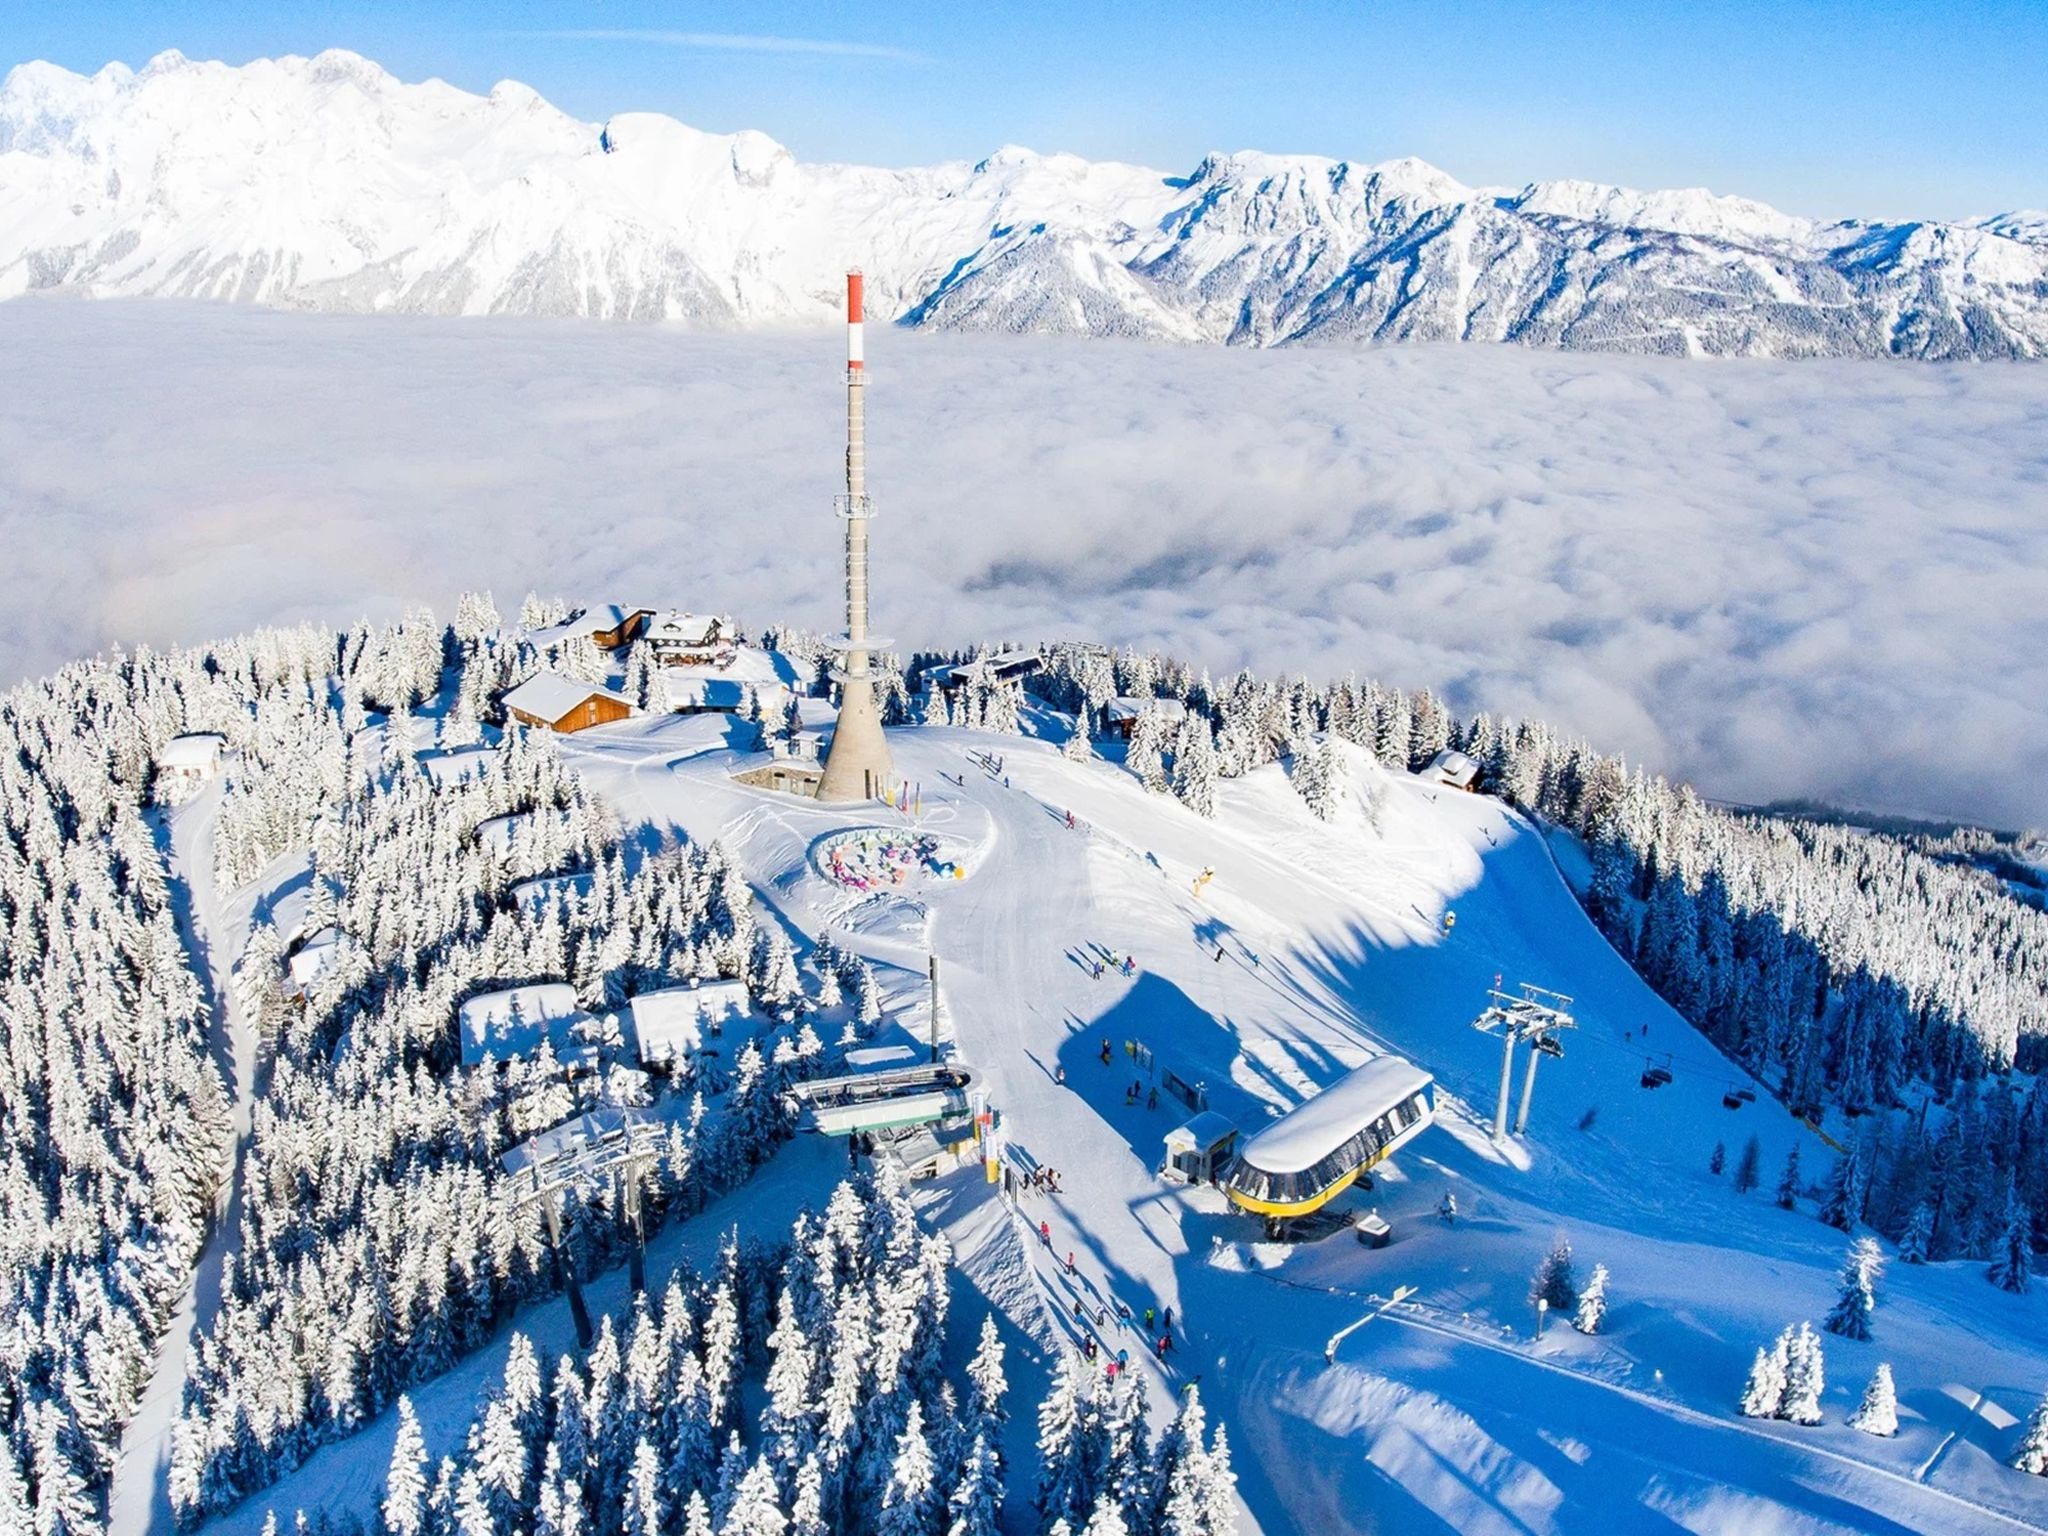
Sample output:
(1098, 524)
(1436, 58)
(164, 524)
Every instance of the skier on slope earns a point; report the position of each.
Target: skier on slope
(1447, 1208)
(1045, 1233)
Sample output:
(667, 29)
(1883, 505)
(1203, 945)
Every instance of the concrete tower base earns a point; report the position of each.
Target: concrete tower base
(858, 767)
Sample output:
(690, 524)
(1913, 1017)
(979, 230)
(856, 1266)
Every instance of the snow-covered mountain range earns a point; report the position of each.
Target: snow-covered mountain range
(325, 183)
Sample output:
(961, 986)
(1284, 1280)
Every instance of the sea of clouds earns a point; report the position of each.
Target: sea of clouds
(1822, 579)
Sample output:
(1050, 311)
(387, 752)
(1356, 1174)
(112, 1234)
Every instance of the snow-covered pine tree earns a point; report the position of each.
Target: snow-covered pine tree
(1591, 1313)
(1747, 1172)
(1005, 711)
(1718, 1159)
(1176, 1475)
(2031, 1455)
(935, 710)
(1065, 1490)
(975, 1506)
(1126, 1476)
(807, 1506)
(1878, 1413)
(646, 1510)
(1194, 766)
(1106, 1519)
(786, 1420)
(1079, 746)
(2012, 1260)
(1918, 1236)
(1851, 1314)
(911, 1503)
(476, 616)
(1555, 1280)
(1318, 778)
(756, 1505)
(988, 1386)
(1145, 754)
(405, 1484)
(1764, 1393)
(774, 980)
(644, 682)
(1805, 1377)
(1788, 1181)
(1219, 1486)
(1841, 1202)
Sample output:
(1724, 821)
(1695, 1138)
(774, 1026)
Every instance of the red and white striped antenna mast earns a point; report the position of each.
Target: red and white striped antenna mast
(858, 766)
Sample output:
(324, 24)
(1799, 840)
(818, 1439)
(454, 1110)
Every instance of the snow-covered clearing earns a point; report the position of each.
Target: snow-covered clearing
(214, 932)
(1442, 1414)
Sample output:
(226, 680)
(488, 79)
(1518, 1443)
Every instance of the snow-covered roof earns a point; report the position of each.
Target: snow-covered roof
(607, 615)
(586, 1133)
(893, 1047)
(1201, 1133)
(310, 961)
(589, 619)
(452, 765)
(1313, 1129)
(514, 1021)
(1454, 767)
(723, 684)
(549, 695)
(676, 627)
(1129, 707)
(195, 750)
(1004, 665)
(672, 1021)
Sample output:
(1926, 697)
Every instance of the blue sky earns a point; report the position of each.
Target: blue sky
(1825, 108)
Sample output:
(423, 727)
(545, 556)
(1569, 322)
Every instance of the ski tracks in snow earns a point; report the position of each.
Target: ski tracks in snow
(138, 1496)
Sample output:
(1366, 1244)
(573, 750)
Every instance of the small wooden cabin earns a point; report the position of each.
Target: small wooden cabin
(552, 702)
(193, 758)
(1453, 769)
(612, 626)
(1119, 715)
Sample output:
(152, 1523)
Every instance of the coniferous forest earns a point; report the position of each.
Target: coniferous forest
(367, 1231)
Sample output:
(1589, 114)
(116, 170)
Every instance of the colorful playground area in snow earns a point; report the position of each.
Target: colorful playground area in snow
(886, 858)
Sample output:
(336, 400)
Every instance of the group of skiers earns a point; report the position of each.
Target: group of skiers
(1045, 1179)
(1162, 1343)
(1128, 965)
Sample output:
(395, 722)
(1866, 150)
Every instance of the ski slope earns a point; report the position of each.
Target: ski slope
(214, 932)
(1441, 1413)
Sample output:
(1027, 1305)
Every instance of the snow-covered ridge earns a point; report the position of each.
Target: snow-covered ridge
(325, 183)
